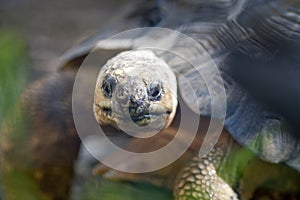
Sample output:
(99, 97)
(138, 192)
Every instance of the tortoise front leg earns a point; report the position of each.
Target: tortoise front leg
(199, 178)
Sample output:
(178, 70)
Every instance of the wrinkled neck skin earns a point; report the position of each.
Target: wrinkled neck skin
(166, 176)
(136, 92)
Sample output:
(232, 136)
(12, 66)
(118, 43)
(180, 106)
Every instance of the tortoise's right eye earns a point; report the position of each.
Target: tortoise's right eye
(108, 86)
(155, 91)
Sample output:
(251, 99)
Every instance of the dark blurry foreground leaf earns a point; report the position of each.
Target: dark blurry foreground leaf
(103, 189)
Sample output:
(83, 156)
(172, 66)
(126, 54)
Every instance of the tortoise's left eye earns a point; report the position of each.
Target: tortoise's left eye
(108, 86)
(154, 91)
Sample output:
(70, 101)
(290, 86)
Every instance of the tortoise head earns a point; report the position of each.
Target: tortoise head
(136, 89)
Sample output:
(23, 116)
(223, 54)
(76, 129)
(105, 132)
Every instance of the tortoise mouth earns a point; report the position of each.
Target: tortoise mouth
(107, 110)
(104, 110)
(141, 119)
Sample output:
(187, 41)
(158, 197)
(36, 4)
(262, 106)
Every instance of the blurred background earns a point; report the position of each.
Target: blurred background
(49, 28)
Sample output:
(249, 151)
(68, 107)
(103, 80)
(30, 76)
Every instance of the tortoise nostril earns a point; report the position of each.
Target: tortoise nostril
(140, 109)
(137, 101)
(132, 99)
(138, 106)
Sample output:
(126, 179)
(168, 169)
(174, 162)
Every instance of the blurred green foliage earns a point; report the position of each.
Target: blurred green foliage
(242, 169)
(232, 170)
(13, 62)
(97, 188)
(16, 176)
